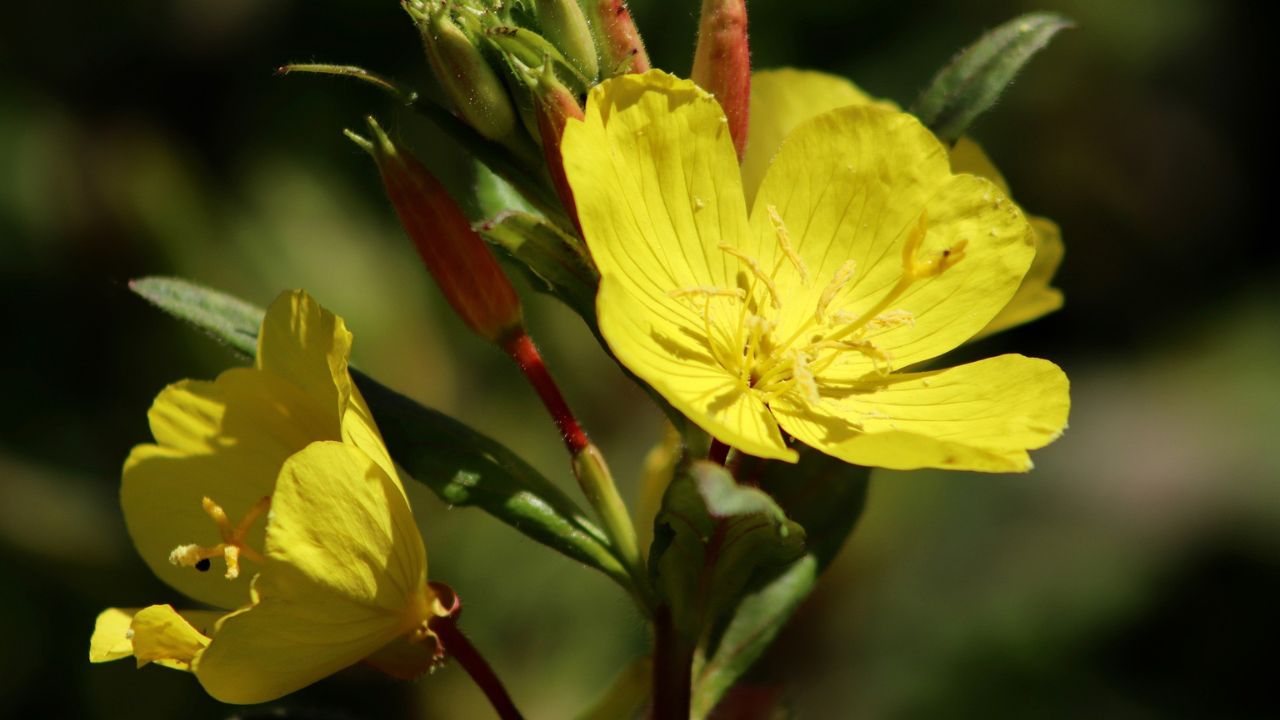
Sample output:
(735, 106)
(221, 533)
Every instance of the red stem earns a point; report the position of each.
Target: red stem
(521, 349)
(459, 648)
(672, 670)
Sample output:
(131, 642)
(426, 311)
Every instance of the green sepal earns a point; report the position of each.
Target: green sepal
(972, 82)
(711, 537)
(552, 260)
(462, 466)
(826, 497)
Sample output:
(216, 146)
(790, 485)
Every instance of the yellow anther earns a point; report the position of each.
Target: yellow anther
(756, 270)
(233, 545)
(804, 378)
(705, 291)
(915, 238)
(892, 319)
(784, 241)
(841, 278)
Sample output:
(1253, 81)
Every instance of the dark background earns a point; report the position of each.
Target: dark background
(1134, 574)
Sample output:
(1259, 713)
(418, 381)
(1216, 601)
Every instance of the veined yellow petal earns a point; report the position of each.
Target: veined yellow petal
(858, 186)
(310, 346)
(678, 363)
(968, 156)
(1034, 298)
(346, 574)
(655, 178)
(224, 440)
(981, 416)
(782, 99)
(163, 636)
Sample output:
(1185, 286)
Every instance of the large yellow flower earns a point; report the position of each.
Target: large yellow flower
(862, 254)
(782, 99)
(269, 492)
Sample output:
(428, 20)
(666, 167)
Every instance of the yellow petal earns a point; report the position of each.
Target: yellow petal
(981, 416)
(163, 636)
(677, 363)
(782, 99)
(111, 638)
(1034, 298)
(854, 185)
(225, 440)
(310, 346)
(968, 156)
(346, 574)
(655, 178)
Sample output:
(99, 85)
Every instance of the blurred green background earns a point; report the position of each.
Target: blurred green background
(1134, 574)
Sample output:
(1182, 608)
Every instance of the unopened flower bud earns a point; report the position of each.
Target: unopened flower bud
(564, 24)
(474, 88)
(617, 40)
(555, 104)
(722, 62)
(453, 252)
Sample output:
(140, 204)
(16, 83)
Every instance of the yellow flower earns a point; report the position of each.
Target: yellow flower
(782, 99)
(862, 255)
(269, 493)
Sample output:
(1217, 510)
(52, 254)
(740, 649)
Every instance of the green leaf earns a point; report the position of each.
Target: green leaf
(711, 536)
(227, 319)
(826, 497)
(554, 261)
(462, 466)
(494, 195)
(974, 80)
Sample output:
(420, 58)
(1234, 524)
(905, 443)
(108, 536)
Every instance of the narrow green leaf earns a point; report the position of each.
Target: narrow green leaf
(553, 260)
(711, 536)
(227, 319)
(975, 79)
(826, 497)
(462, 466)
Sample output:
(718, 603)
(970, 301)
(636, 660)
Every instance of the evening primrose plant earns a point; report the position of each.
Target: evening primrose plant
(784, 264)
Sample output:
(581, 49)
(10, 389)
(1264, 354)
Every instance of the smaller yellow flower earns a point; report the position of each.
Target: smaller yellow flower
(862, 254)
(279, 476)
(783, 99)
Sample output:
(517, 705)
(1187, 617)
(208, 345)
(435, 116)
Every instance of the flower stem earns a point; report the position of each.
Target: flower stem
(672, 669)
(460, 648)
(521, 349)
(589, 466)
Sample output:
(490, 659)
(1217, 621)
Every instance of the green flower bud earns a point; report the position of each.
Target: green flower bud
(564, 24)
(477, 93)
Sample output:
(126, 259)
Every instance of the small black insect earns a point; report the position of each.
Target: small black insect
(203, 565)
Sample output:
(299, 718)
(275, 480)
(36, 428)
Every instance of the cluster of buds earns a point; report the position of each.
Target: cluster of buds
(493, 59)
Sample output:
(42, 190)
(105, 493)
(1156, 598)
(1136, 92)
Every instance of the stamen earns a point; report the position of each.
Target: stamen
(758, 271)
(891, 319)
(233, 545)
(804, 378)
(707, 291)
(838, 281)
(784, 240)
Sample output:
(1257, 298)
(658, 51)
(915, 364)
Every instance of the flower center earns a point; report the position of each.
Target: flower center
(234, 540)
(770, 367)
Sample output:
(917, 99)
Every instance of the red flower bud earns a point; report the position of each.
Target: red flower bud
(617, 40)
(722, 62)
(555, 105)
(455, 255)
